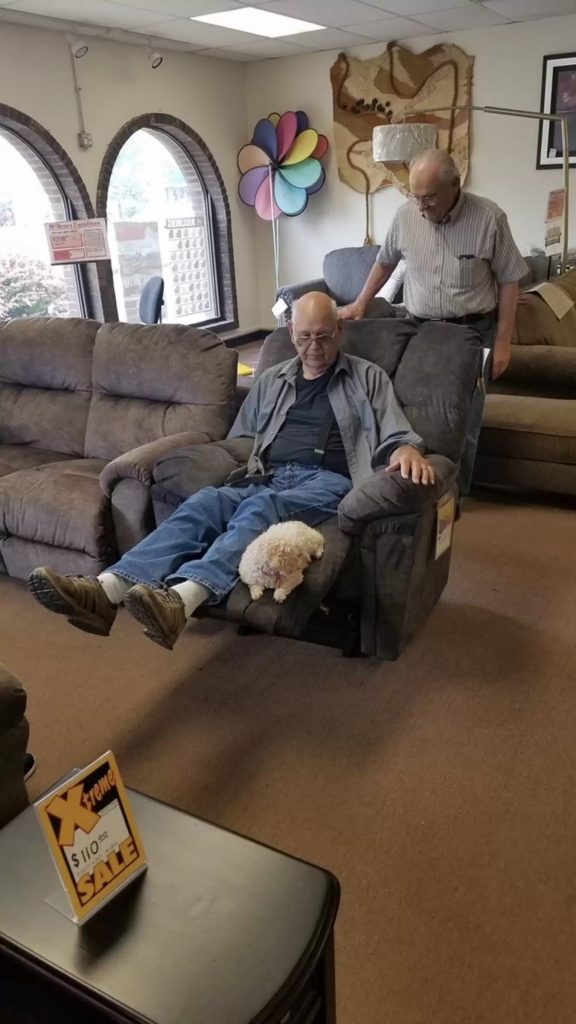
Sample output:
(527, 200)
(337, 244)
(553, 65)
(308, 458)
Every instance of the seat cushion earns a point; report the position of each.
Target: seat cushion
(14, 457)
(59, 505)
(537, 429)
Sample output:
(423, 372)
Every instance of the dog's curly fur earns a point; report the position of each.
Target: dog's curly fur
(276, 559)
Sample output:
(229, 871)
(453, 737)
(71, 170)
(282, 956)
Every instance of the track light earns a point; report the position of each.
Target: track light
(78, 48)
(155, 59)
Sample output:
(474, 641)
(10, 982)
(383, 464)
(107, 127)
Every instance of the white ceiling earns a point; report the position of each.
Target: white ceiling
(166, 23)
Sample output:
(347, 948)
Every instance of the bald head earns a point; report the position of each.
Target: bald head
(434, 183)
(314, 305)
(315, 331)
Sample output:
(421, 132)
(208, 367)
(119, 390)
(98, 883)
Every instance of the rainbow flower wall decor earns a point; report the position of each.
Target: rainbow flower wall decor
(281, 165)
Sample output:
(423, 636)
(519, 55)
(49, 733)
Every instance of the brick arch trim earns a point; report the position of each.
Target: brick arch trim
(199, 153)
(62, 168)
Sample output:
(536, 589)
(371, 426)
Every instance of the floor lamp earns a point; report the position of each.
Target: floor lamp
(391, 145)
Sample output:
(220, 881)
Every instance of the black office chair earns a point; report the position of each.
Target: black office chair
(151, 301)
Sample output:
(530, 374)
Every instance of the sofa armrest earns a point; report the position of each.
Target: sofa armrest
(386, 494)
(138, 464)
(291, 292)
(541, 364)
(183, 472)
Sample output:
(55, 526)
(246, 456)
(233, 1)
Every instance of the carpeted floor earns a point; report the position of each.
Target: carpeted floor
(440, 789)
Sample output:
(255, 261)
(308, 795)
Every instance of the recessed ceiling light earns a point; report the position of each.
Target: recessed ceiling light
(258, 22)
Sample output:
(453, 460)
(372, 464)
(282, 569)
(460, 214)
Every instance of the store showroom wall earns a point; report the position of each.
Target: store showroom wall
(507, 72)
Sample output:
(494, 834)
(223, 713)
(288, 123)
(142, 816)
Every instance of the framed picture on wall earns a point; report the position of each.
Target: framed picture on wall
(558, 97)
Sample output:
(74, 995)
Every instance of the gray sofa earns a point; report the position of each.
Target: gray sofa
(13, 741)
(85, 412)
(378, 578)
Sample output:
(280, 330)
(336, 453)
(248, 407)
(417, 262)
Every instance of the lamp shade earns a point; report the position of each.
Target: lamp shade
(400, 143)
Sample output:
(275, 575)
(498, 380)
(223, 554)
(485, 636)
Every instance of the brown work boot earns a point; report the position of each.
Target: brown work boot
(161, 612)
(82, 599)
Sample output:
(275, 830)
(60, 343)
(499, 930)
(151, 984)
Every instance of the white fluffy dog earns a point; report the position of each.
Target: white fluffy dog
(276, 559)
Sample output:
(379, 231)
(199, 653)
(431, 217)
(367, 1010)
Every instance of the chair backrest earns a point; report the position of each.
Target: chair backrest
(151, 300)
(434, 369)
(46, 382)
(149, 382)
(345, 271)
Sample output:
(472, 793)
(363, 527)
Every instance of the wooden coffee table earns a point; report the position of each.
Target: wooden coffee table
(220, 930)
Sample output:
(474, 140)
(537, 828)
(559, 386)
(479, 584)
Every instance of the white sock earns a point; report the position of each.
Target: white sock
(114, 586)
(193, 594)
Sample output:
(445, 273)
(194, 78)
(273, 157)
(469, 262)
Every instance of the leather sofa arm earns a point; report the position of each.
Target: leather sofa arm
(138, 464)
(387, 494)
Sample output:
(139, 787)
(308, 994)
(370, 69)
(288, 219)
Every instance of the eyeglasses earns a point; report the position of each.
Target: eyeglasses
(304, 340)
(430, 200)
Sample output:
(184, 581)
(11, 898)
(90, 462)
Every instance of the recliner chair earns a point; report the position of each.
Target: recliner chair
(379, 577)
(344, 275)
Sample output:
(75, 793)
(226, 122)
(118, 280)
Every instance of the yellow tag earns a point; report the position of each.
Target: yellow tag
(445, 516)
(92, 835)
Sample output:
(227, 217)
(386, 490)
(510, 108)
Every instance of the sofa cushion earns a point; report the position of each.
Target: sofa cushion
(58, 505)
(537, 429)
(345, 271)
(435, 381)
(45, 382)
(379, 341)
(149, 382)
(19, 456)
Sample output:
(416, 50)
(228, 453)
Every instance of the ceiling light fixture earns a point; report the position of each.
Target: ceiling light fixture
(259, 22)
(78, 48)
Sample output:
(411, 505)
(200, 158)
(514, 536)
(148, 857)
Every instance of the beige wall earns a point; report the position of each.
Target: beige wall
(117, 85)
(507, 73)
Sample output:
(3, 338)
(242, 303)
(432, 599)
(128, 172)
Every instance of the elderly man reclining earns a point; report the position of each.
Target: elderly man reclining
(321, 423)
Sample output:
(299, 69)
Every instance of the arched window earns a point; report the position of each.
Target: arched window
(167, 214)
(31, 196)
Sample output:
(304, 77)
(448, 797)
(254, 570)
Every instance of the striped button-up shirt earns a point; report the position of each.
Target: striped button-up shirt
(453, 268)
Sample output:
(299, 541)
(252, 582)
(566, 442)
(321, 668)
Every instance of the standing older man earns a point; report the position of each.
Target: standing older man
(320, 422)
(462, 266)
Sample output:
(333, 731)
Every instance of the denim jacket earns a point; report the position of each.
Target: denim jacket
(366, 409)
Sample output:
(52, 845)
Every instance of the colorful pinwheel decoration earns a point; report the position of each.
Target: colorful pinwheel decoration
(281, 165)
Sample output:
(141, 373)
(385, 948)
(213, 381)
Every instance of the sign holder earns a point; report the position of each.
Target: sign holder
(92, 837)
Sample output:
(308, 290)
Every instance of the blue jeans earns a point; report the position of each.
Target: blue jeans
(486, 329)
(205, 538)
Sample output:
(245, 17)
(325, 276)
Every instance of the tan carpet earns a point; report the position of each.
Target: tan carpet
(440, 789)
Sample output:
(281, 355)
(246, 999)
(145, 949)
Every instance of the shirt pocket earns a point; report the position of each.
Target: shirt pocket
(470, 271)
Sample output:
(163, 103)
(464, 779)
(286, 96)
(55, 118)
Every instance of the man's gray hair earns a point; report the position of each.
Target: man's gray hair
(438, 160)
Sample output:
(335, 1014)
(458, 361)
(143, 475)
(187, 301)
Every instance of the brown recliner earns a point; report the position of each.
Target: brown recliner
(379, 576)
(13, 740)
(85, 412)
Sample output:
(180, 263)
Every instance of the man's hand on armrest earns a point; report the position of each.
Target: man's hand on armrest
(139, 463)
(390, 494)
(412, 465)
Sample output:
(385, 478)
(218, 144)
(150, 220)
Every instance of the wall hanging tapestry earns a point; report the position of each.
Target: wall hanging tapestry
(394, 87)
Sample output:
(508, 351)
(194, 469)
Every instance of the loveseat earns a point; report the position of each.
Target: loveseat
(381, 573)
(13, 740)
(85, 412)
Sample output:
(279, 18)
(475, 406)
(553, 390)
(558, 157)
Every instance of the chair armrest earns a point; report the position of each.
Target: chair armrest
(385, 494)
(291, 292)
(138, 464)
(188, 469)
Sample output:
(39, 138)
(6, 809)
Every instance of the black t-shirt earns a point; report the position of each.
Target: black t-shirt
(299, 434)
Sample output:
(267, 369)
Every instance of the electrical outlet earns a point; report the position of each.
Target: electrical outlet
(85, 140)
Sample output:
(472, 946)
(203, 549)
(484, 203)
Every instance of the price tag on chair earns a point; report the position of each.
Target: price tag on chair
(445, 516)
(92, 836)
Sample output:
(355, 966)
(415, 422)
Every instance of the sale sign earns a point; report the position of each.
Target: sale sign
(92, 835)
